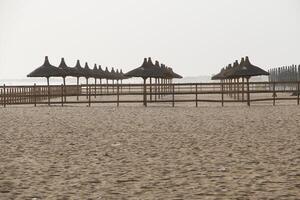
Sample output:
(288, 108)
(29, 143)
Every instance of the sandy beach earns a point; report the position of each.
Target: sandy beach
(132, 152)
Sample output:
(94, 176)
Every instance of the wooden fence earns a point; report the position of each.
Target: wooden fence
(195, 93)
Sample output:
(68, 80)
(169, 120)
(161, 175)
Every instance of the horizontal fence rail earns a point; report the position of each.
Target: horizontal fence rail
(225, 92)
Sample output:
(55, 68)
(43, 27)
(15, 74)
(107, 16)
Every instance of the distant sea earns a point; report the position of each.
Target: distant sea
(71, 81)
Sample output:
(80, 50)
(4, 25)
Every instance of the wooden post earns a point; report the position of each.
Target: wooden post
(65, 91)
(77, 88)
(87, 87)
(234, 88)
(274, 94)
(196, 95)
(100, 86)
(230, 87)
(62, 95)
(238, 89)
(23, 95)
(298, 93)
(159, 88)
(106, 86)
(121, 86)
(248, 92)
(95, 88)
(48, 91)
(155, 89)
(173, 95)
(89, 95)
(243, 89)
(145, 90)
(118, 97)
(34, 93)
(222, 92)
(4, 96)
(150, 89)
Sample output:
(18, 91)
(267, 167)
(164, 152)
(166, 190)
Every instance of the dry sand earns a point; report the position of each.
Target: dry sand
(132, 152)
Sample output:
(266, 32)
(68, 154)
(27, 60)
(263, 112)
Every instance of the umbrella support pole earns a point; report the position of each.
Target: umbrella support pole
(95, 88)
(100, 86)
(165, 89)
(48, 91)
(144, 95)
(226, 86)
(222, 92)
(65, 89)
(77, 88)
(243, 89)
(106, 86)
(150, 89)
(248, 93)
(238, 89)
(121, 88)
(234, 88)
(155, 89)
(158, 87)
(87, 89)
(230, 88)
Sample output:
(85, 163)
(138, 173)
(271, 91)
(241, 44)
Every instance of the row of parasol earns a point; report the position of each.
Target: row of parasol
(147, 70)
(236, 71)
(47, 70)
(244, 69)
(160, 72)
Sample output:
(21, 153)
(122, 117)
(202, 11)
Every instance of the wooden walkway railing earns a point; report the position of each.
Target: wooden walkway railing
(156, 93)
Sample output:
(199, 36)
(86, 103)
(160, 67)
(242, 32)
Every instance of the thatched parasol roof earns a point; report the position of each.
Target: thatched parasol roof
(229, 73)
(220, 75)
(100, 72)
(107, 74)
(175, 75)
(69, 70)
(159, 71)
(122, 75)
(47, 70)
(146, 70)
(246, 69)
(95, 72)
(78, 69)
(113, 74)
(88, 73)
(166, 72)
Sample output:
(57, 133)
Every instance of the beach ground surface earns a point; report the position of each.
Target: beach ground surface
(132, 152)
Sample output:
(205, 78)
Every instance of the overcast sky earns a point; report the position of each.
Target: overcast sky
(195, 37)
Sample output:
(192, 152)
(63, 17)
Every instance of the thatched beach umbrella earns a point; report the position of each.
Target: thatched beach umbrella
(113, 77)
(122, 77)
(88, 73)
(246, 70)
(101, 76)
(69, 72)
(167, 75)
(47, 70)
(78, 72)
(107, 76)
(146, 70)
(160, 74)
(233, 79)
(175, 75)
(96, 75)
(222, 76)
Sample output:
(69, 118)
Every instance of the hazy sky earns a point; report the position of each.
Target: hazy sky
(195, 37)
